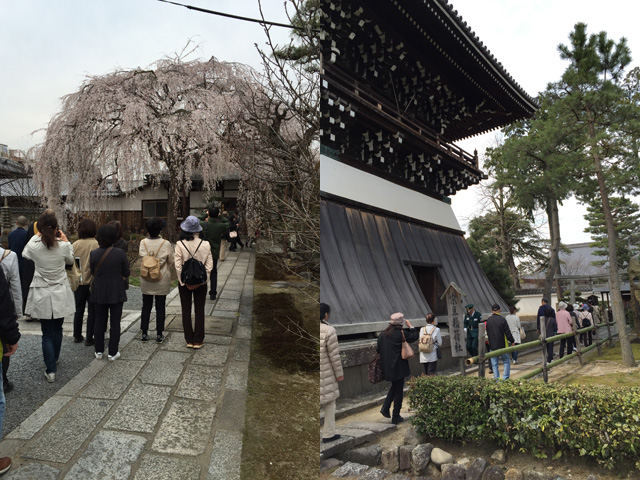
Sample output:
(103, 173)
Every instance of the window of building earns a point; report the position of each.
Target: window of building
(154, 208)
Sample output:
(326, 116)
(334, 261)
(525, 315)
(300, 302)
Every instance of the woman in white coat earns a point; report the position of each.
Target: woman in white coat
(330, 374)
(429, 360)
(50, 298)
(154, 245)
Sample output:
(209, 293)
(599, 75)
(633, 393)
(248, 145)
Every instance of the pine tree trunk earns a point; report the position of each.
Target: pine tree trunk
(554, 252)
(628, 359)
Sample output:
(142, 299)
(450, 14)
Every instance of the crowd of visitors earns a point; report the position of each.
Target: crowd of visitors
(392, 359)
(45, 278)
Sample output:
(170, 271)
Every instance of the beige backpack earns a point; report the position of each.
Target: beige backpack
(150, 265)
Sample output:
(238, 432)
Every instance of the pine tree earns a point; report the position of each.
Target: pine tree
(626, 216)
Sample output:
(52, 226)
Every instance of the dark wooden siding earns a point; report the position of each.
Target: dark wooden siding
(366, 266)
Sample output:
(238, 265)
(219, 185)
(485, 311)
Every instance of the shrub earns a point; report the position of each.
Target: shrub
(544, 419)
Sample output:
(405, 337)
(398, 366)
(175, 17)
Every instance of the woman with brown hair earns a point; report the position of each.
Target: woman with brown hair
(50, 297)
(81, 248)
(394, 367)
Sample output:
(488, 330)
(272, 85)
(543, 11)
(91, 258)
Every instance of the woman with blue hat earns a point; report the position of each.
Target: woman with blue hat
(193, 265)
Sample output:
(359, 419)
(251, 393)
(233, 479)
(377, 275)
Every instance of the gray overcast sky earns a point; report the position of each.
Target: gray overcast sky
(49, 47)
(524, 36)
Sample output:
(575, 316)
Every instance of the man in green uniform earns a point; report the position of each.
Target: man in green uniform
(213, 228)
(471, 321)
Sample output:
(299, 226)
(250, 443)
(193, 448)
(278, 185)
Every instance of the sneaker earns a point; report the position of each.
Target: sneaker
(160, 338)
(212, 296)
(198, 345)
(89, 342)
(78, 339)
(144, 337)
(114, 357)
(98, 355)
(331, 439)
(515, 362)
(385, 412)
(5, 465)
(189, 345)
(51, 377)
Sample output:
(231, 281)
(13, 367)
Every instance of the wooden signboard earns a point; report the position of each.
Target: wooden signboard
(456, 320)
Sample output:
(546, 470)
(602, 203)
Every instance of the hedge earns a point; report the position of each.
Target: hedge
(543, 419)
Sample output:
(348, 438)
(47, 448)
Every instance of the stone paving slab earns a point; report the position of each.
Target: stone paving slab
(372, 426)
(78, 382)
(112, 380)
(359, 436)
(224, 315)
(216, 340)
(165, 368)
(228, 304)
(200, 383)
(237, 375)
(230, 295)
(40, 417)
(242, 350)
(328, 450)
(138, 350)
(31, 471)
(185, 429)
(245, 319)
(212, 355)
(225, 462)
(140, 409)
(156, 467)
(60, 441)
(219, 324)
(244, 332)
(109, 456)
(233, 287)
(231, 411)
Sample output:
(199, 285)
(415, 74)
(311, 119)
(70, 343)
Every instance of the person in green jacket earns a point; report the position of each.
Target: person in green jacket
(214, 227)
(471, 321)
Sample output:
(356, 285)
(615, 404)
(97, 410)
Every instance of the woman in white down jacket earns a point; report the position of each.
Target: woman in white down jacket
(330, 374)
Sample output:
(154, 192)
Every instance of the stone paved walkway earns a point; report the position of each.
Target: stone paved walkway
(160, 411)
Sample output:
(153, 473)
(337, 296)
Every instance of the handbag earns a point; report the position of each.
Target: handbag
(438, 351)
(523, 334)
(73, 275)
(233, 235)
(407, 351)
(375, 370)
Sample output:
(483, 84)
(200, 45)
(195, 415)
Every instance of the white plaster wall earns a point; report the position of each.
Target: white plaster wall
(529, 304)
(196, 201)
(344, 181)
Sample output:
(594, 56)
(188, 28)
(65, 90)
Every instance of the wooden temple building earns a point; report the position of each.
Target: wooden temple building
(402, 80)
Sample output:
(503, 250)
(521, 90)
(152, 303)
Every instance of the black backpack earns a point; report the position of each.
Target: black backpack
(193, 271)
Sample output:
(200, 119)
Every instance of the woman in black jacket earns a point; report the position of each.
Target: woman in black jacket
(394, 367)
(108, 291)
